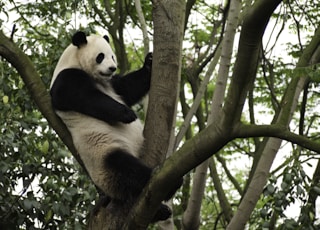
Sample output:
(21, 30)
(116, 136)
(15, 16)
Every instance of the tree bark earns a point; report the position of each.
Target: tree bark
(223, 200)
(168, 17)
(245, 67)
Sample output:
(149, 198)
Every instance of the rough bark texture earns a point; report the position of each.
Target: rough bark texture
(168, 17)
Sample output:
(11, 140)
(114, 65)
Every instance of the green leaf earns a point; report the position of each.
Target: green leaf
(28, 204)
(316, 189)
(48, 216)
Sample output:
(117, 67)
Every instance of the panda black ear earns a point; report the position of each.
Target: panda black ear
(107, 38)
(79, 38)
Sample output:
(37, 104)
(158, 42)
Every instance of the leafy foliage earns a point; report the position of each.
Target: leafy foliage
(40, 183)
(41, 186)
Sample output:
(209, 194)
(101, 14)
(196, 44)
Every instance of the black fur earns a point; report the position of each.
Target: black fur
(132, 175)
(74, 90)
(135, 85)
(79, 39)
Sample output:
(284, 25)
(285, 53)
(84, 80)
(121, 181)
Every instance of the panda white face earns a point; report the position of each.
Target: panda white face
(96, 57)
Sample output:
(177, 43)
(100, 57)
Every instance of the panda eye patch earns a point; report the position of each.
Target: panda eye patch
(100, 58)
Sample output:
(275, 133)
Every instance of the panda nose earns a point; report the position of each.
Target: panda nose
(112, 68)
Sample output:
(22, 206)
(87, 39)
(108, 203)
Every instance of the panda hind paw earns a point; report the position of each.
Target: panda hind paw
(163, 213)
(101, 203)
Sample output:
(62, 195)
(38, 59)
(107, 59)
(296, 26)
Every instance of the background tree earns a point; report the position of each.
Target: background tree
(231, 118)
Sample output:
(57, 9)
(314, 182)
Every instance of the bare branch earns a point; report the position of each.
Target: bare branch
(143, 26)
(276, 130)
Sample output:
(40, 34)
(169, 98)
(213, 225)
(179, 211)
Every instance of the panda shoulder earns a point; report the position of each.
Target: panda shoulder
(73, 78)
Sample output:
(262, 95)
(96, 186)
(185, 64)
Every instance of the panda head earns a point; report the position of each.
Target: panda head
(94, 55)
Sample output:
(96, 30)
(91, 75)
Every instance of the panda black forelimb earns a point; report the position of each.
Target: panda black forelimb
(135, 85)
(74, 90)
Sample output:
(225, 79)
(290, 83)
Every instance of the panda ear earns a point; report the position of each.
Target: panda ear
(107, 38)
(79, 38)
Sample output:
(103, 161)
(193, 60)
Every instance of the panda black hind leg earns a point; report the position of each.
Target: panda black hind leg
(129, 173)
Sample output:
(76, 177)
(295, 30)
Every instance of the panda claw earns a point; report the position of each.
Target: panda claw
(128, 116)
(148, 60)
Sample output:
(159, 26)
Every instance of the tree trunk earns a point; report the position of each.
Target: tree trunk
(168, 17)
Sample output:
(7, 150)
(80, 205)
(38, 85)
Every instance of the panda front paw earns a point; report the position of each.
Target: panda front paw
(127, 116)
(148, 61)
(163, 213)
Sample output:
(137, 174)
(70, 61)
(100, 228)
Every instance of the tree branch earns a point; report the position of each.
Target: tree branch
(276, 130)
(267, 151)
(233, 180)
(190, 155)
(245, 67)
(223, 200)
(137, 4)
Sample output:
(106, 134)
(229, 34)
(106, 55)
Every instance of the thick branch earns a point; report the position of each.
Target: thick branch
(165, 82)
(279, 131)
(168, 17)
(191, 154)
(244, 72)
(268, 150)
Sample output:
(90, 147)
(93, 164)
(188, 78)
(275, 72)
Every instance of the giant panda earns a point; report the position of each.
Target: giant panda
(94, 103)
